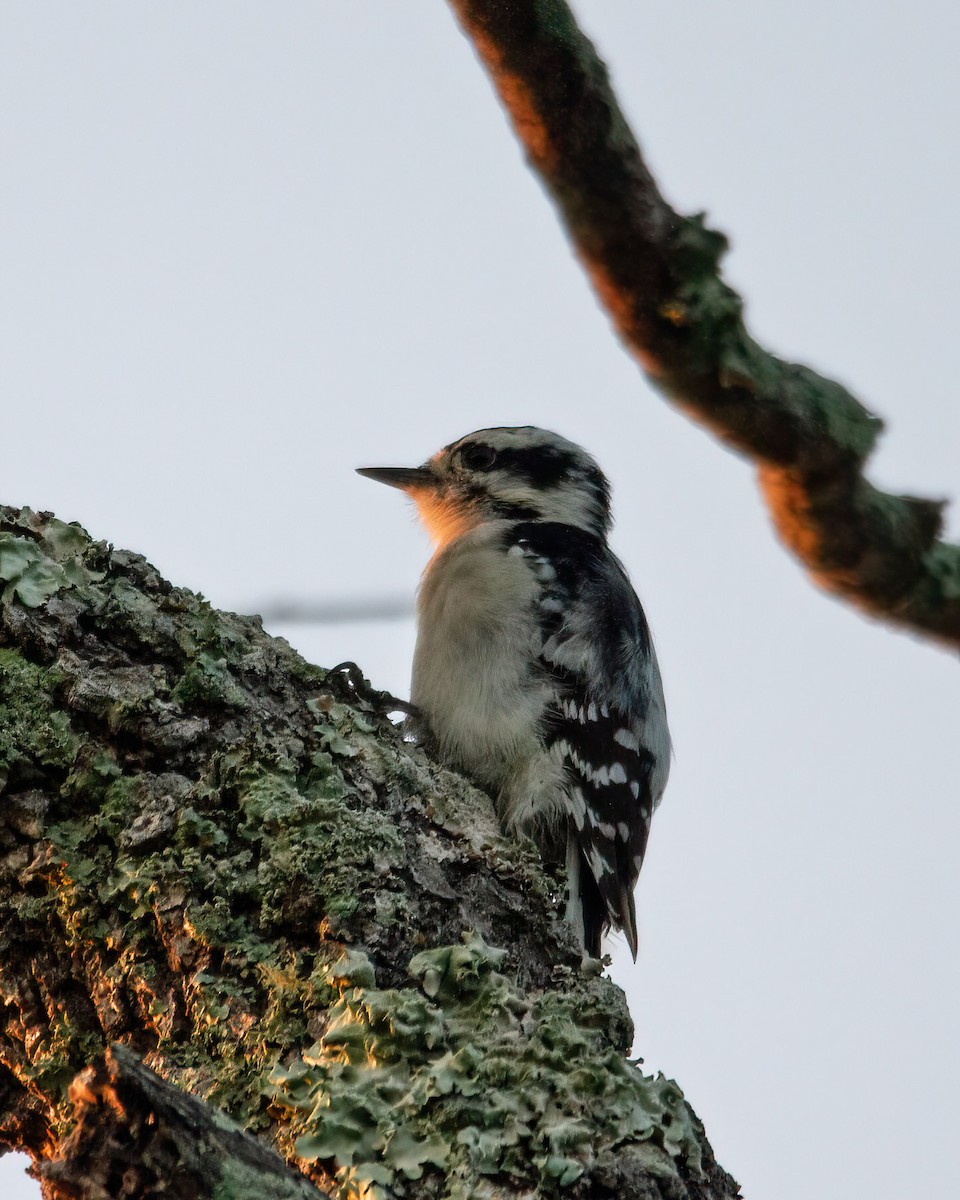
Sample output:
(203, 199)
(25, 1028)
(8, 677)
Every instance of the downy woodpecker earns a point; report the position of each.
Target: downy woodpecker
(534, 669)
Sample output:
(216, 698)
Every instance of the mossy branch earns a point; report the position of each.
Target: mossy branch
(657, 274)
(233, 864)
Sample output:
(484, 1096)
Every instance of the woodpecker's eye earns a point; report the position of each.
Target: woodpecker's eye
(478, 457)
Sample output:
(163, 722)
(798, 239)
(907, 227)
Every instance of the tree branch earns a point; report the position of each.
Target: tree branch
(136, 1135)
(234, 864)
(657, 275)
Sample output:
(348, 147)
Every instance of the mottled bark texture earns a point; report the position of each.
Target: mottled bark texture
(136, 1135)
(232, 864)
(657, 275)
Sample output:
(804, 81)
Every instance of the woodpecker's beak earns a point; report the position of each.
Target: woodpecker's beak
(408, 479)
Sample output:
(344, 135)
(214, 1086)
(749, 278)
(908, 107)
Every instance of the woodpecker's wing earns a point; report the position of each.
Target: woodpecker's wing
(608, 721)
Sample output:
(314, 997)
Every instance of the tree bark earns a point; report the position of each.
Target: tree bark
(136, 1135)
(232, 864)
(657, 275)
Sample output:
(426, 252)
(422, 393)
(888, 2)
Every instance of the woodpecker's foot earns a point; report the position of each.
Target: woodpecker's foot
(352, 680)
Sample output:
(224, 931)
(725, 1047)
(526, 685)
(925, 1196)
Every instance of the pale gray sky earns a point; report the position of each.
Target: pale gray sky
(247, 247)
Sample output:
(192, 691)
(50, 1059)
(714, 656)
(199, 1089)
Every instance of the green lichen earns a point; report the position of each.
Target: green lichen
(34, 734)
(32, 573)
(703, 302)
(207, 683)
(150, 865)
(943, 563)
(240, 1180)
(319, 859)
(466, 1076)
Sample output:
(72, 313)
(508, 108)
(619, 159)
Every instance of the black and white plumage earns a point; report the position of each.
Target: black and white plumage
(534, 669)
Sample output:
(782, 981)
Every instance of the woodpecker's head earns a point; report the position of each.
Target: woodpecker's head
(512, 474)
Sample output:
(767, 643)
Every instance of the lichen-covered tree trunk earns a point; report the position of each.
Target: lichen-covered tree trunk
(233, 865)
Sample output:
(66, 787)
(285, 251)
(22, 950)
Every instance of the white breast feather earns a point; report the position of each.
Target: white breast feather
(477, 635)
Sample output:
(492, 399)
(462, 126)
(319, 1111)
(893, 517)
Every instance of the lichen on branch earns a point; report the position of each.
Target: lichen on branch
(467, 1073)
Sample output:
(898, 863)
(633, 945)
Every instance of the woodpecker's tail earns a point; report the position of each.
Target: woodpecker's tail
(589, 911)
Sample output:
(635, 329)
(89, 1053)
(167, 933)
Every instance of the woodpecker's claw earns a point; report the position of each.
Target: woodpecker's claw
(360, 687)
